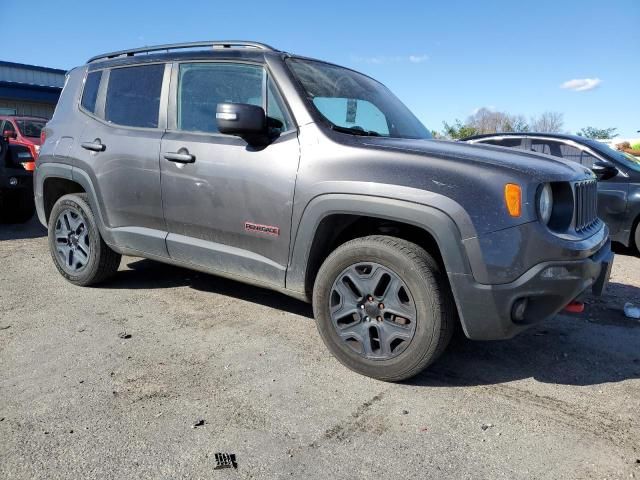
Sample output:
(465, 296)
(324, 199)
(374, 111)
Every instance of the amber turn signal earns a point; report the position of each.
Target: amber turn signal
(513, 199)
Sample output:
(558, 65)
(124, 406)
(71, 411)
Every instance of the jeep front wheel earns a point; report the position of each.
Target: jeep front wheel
(76, 246)
(383, 307)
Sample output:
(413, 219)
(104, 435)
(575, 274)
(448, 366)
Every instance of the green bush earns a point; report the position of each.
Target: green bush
(636, 146)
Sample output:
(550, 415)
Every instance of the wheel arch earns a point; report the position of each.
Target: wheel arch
(332, 219)
(53, 180)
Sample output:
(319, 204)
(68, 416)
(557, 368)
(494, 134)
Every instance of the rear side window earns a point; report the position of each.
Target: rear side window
(504, 142)
(541, 147)
(90, 93)
(133, 96)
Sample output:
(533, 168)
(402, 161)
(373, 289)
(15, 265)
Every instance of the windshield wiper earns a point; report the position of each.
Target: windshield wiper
(355, 131)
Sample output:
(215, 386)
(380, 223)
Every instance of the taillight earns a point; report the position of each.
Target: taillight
(36, 148)
(29, 166)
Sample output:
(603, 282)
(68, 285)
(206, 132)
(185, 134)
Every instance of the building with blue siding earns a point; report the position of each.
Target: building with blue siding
(29, 89)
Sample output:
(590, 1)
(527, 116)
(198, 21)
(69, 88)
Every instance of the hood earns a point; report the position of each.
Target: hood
(528, 163)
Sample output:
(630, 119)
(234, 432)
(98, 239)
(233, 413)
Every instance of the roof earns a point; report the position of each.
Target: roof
(37, 68)
(210, 44)
(252, 56)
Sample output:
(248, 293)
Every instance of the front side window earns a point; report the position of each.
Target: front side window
(354, 103)
(133, 96)
(202, 86)
(588, 160)
(90, 93)
(279, 120)
(570, 152)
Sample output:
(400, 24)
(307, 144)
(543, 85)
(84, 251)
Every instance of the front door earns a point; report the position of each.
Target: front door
(227, 204)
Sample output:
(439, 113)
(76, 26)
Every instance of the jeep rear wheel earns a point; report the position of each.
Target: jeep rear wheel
(635, 237)
(76, 246)
(383, 307)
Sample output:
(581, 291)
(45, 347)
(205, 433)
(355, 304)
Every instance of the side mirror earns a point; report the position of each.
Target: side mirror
(243, 120)
(604, 171)
(9, 134)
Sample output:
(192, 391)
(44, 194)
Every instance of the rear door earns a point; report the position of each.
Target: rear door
(229, 210)
(121, 152)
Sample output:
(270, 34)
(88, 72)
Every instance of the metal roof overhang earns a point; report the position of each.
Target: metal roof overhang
(30, 93)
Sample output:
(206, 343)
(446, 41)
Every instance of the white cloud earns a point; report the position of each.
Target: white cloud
(581, 84)
(418, 58)
(382, 59)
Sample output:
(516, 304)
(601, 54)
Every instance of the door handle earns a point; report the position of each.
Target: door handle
(95, 146)
(180, 157)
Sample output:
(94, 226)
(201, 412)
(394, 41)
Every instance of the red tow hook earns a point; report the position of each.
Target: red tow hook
(574, 307)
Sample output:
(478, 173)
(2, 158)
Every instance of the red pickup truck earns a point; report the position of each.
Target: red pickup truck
(25, 131)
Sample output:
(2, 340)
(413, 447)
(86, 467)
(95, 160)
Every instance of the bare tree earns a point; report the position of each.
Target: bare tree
(548, 122)
(490, 121)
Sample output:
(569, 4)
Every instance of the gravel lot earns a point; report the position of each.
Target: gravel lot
(78, 401)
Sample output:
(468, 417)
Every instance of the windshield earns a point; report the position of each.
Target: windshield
(354, 103)
(624, 158)
(30, 128)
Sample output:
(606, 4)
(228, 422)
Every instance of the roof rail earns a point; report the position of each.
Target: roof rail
(179, 46)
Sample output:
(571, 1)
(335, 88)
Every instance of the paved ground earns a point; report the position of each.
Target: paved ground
(78, 401)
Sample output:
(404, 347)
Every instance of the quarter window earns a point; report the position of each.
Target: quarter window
(90, 93)
(133, 96)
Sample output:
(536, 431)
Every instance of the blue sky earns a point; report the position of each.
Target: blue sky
(443, 59)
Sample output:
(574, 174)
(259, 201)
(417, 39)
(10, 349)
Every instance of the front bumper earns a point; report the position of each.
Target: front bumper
(487, 311)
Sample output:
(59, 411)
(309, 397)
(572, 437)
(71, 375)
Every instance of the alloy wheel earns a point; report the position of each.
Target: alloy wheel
(372, 311)
(72, 241)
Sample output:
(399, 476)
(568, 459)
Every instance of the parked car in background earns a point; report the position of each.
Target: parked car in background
(16, 183)
(25, 131)
(313, 180)
(618, 175)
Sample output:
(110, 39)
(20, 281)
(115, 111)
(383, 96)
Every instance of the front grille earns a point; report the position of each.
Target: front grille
(586, 195)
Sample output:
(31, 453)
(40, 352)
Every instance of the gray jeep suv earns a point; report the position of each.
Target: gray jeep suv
(313, 180)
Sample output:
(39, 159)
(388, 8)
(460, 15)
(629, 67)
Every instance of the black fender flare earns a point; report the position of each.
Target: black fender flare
(433, 220)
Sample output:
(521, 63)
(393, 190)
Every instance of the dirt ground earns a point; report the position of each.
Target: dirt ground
(77, 400)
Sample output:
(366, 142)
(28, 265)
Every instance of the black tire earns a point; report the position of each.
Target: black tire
(635, 238)
(16, 206)
(102, 262)
(436, 314)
